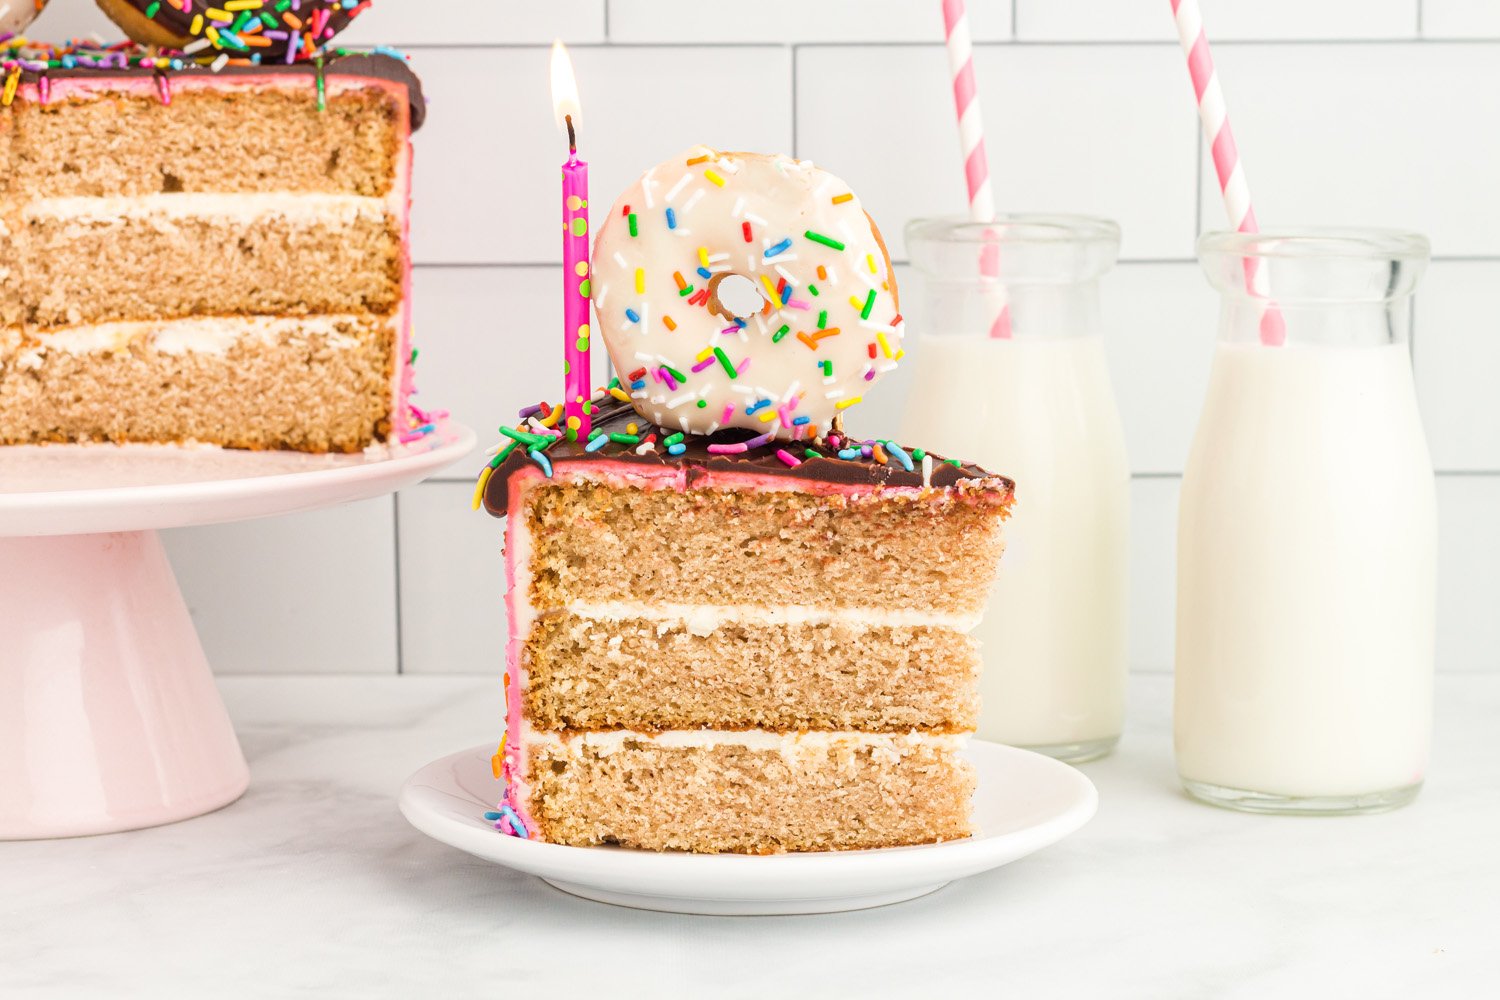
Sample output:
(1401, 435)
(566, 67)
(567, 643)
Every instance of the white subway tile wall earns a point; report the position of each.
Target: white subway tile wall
(491, 134)
(783, 22)
(1354, 135)
(1098, 129)
(1347, 111)
(1460, 19)
(1458, 363)
(306, 593)
(452, 582)
(1228, 20)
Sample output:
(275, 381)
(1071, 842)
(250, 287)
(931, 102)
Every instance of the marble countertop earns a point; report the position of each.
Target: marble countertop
(313, 884)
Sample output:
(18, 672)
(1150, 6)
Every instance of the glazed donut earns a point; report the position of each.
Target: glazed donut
(207, 27)
(15, 15)
(744, 290)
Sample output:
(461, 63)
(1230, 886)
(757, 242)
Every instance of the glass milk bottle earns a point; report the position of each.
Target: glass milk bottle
(1305, 570)
(1036, 406)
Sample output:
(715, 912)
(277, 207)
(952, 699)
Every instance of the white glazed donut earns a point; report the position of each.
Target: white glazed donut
(685, 272)
(15, 15)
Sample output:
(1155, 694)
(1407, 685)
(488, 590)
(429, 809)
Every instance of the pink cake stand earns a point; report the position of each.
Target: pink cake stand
(109, 717)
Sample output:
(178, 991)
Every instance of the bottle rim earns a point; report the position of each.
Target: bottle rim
(1318, 243)
(1016, 228)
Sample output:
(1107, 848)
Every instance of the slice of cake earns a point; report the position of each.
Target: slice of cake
(721, 652)
(733, 627)
(215, 254)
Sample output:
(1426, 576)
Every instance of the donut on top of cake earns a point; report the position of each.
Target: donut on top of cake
(744, 290)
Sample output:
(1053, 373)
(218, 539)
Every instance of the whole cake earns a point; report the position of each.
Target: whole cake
(734, 627)
(211, 250)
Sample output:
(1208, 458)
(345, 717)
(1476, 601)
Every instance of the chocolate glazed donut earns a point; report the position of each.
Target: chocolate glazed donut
(264, 31)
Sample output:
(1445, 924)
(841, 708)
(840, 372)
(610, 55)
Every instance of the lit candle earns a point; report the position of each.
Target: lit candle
(575, 189)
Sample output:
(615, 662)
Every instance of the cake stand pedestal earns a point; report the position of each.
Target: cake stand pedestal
(109, 717)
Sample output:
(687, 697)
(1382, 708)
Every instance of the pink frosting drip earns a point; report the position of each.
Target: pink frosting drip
(403, 379)
(511, 763)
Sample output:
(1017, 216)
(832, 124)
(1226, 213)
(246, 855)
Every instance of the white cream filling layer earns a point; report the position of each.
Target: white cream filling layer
(209, 335)
(703, 619)
(787, 744)
(240, 207)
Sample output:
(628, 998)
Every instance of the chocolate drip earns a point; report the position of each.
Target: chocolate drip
(696, 460)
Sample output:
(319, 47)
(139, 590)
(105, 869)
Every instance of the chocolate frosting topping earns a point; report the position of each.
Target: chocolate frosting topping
(818, 461)
(375, 65)
(258, 27)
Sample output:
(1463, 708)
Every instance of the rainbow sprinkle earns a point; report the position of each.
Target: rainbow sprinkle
(642, 439)
(235, 33)
(827, 241)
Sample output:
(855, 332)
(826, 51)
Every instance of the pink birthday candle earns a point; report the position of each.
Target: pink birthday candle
(576, 276)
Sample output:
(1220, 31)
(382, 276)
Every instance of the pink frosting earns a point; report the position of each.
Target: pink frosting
(512, 763)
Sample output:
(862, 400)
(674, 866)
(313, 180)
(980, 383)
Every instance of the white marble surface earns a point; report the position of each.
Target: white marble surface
(312, 884)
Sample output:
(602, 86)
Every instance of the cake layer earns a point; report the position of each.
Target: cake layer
(163, 256)
(665, 673)
(320, 383)
(751, 793)
(595, 542)
(112, 140)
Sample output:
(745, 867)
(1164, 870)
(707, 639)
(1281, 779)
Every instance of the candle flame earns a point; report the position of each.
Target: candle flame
(564, 88)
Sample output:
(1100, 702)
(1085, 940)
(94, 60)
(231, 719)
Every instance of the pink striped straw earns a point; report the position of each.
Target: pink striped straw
(1215, 115)
(971, 139)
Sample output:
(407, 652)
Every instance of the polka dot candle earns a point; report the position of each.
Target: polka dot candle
(576, 292)
(576, 276)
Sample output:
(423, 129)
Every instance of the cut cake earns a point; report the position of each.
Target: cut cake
(721, 653)
(219, 257)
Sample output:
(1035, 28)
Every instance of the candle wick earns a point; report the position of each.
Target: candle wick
(572, 139)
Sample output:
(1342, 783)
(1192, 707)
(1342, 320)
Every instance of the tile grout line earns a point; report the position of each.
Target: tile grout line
(1143, 476)
(458, 265)
(1124, 43)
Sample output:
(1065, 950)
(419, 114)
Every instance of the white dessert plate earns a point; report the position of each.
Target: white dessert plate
(1024, 802)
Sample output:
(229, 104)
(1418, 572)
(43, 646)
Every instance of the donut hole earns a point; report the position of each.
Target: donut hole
(734, 296)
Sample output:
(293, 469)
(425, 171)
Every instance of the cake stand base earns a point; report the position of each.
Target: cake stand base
(109, 717)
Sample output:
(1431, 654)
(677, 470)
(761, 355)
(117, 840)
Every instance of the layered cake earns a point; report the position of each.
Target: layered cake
(211, 250)
(734, 627)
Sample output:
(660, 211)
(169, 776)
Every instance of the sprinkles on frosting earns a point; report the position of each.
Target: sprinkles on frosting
(535, 434)
(19, 55)
(418, 423)
(284, 30)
